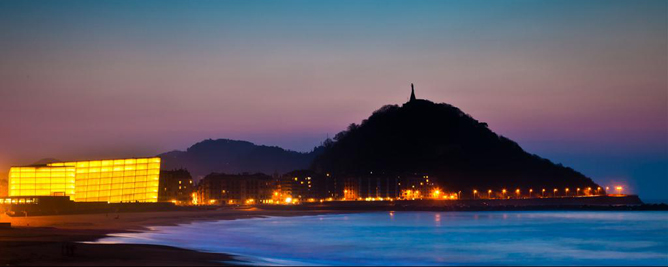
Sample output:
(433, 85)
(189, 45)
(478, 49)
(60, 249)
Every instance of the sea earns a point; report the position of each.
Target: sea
(428, 238)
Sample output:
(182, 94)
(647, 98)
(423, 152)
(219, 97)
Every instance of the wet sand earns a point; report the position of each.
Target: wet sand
(56, 240)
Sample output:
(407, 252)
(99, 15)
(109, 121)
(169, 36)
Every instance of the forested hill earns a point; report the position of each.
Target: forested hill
(441, 140)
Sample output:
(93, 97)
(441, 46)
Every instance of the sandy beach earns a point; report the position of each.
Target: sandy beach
(61, 239)
(57, 240)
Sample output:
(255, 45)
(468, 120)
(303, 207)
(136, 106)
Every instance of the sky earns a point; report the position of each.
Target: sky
(582, 83)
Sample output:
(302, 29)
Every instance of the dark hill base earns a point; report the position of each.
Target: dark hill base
(442, 141)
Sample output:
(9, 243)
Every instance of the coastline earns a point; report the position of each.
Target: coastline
(44, 240)
(63, 239)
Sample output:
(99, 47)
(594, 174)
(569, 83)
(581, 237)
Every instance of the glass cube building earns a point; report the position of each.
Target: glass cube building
(113, 181)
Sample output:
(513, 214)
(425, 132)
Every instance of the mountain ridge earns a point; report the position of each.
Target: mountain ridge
(235, 156)
(419, 136)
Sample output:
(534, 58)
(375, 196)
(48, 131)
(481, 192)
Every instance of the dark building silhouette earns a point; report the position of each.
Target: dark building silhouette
(176, 186)
(386, 186)
(302, 185)
(308, 185)
(311, 186)
(219, 188)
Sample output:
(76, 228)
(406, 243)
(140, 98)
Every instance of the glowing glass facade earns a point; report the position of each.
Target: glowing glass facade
(41, 181)
(118, 180)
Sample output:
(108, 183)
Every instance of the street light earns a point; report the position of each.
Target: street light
(577, 193)
(543, 193)
(619, 189)
(474, 193)
(554, 194)
(517, 192)
(503, 193)
(489, 193)
(566, 191)
(530, 191)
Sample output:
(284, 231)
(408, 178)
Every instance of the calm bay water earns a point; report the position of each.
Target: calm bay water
(429, 238)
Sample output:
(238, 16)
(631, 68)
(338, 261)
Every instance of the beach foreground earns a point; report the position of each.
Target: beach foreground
(57, 240)
(428, 238)
(93, 239)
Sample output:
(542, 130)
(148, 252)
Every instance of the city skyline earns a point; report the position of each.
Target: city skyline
(579, 83)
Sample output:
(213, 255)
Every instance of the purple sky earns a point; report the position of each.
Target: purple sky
(583, 83)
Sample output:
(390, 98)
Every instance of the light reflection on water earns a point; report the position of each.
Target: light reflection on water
(429, 238)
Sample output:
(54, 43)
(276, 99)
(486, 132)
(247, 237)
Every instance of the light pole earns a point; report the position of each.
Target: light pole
(489, 194)
(530, 192)
(619, 189)
(503, 193)
(554, 194)
(517, 192)
(474, 193)
(566, 191)
(577, 193)
(543, 193)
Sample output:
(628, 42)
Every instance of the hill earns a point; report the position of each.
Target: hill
(45, 161)
(442, 141)
(233, 156)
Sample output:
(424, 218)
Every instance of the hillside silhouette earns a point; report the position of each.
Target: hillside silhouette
(45, 161)
(233, 156)
(422, 137)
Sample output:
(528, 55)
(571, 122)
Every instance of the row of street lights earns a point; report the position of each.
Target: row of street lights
(555, 191)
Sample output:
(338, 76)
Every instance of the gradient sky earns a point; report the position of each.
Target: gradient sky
(583, 83)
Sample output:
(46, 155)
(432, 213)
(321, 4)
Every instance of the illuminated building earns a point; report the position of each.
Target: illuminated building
(351, 188)
(42, 181)
(113, 181)
(418, 185)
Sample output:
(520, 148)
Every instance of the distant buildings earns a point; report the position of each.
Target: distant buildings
(112, 181)
(303, 185)
(382, 186)
(308, 186)
(176, 186)
(217, 188)
(137, 180)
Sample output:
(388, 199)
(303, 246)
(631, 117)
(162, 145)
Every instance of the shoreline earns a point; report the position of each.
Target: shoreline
(69, 239)
(44, 240)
